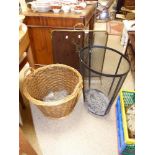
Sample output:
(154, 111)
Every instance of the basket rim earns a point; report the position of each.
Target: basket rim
(76, 90)
(104, 74)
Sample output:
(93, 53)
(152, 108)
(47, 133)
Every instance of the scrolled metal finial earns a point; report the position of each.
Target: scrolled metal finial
(79, 26)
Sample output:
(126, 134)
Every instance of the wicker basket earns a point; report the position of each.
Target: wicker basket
(53, 77)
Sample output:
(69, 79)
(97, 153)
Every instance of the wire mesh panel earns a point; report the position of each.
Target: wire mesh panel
(66, 44)
(104, 70)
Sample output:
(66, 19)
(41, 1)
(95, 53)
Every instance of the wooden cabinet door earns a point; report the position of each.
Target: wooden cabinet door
(41, 45)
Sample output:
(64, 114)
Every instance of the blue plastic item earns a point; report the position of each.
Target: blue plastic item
(124, 149)
(120, 131)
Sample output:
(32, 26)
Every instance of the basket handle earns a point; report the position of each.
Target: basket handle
(80, 87)
(79, 90)
(28, 69)
(32, 69)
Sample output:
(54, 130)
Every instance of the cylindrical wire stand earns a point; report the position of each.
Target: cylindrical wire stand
(104, 70)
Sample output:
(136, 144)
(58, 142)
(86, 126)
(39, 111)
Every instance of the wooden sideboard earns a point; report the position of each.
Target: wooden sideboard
(128, 4)
(40, 26)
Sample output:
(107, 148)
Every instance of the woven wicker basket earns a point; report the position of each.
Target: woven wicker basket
(53, 77)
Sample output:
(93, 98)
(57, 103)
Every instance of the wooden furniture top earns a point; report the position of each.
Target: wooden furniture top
(61, 20)
(84, 13)
(22, 31)
(23, 39)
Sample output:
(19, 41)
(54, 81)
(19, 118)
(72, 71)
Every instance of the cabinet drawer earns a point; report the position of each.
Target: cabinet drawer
(129, 3)
(52, 22)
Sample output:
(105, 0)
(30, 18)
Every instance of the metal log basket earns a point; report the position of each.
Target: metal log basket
(104, 70)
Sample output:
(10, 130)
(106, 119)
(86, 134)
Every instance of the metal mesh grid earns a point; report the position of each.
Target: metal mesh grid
(103, 69)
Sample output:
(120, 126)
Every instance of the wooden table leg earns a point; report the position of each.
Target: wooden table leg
(30, 57)
(126, 49)
(91, 22)
(21, 100)
(24, 145)
(91, 27)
